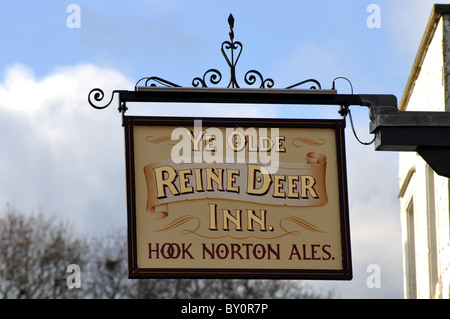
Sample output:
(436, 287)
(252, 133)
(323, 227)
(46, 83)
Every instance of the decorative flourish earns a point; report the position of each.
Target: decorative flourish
(300, 222)
(308, 141)
(154, 80)
(318, 86)
(98, 95)
(215, 77)
(250, 79)
(180, 221)
(159, 140)
(235, 49)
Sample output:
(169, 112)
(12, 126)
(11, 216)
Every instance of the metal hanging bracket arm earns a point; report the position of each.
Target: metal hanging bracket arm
(259, 91)
(205, 88)
(231, 51)
(427, 133)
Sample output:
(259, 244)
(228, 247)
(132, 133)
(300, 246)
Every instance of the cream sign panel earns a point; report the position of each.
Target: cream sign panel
(237, 198)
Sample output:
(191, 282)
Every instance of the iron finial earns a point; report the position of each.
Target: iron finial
(231, 51)
(231, 24)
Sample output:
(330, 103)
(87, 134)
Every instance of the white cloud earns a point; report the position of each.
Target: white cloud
(59, 154)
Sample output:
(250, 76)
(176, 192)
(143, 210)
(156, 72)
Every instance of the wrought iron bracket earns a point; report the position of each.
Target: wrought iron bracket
(151, 94)
(259, 91)
(231, 51)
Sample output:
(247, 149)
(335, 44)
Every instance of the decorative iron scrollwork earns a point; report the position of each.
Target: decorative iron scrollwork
(154, 80)
(313, 87)
(250, 79)
(97, 95)
(231, 51)
(232, 46)
(214, 77)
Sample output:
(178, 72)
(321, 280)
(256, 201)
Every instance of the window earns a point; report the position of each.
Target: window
(432, 232)
(411, 286)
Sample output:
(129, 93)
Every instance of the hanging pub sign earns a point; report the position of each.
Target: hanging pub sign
(237, 198)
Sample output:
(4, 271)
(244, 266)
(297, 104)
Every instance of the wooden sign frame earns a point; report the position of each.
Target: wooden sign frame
(314, 253)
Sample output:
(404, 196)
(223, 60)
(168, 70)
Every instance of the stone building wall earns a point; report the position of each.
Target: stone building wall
(424, 195)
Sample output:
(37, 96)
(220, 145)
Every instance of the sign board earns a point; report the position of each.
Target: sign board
(237, 198)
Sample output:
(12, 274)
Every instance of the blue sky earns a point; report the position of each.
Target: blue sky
(63, 157)
(137, 37)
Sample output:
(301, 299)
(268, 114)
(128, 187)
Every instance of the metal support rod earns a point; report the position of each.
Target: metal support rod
(254, 96)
